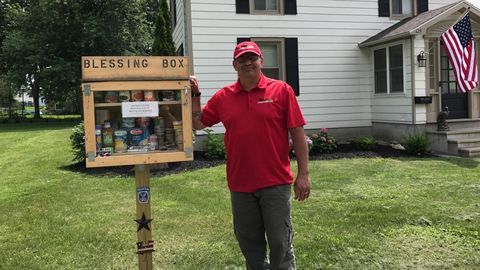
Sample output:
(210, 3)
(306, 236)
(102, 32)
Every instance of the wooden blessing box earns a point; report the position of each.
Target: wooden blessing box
(137, 110)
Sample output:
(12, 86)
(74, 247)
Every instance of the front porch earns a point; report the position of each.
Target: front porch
(463, 138)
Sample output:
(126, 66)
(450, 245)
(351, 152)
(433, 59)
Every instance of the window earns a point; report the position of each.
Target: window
(273, 7)
(280, 59)
(401, 8)
(272, 59)
(388, 69)
(395, 57)
(265, 6)
(380, 70)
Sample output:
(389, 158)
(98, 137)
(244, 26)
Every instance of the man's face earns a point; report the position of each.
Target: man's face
(248, 64)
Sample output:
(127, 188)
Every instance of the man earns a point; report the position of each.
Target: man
(258, 114)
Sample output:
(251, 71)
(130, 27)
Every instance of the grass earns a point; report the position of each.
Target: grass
(409, 213)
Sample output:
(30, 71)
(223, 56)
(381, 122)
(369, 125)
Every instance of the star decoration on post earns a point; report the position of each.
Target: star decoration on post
(143, 223)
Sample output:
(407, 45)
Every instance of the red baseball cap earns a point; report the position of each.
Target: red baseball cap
(245, 47)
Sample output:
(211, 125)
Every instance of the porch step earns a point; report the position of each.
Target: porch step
(458, 142)
(464, 133)
(469, 152)
(461, 143)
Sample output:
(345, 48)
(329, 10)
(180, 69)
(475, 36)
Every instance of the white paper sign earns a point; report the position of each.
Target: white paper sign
(140, 109)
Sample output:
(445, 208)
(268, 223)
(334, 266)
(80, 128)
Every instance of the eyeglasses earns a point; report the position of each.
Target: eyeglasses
(250, 57)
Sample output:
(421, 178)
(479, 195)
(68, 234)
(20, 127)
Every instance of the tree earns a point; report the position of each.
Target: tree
(163, 40)
(42, 50)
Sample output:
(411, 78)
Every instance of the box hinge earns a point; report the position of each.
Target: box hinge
(87, 90)
(91, 156)
(189, 151)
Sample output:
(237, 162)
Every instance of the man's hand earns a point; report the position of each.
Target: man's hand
(302, 187)
(194, 84)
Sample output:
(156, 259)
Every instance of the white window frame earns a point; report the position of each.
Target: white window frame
(278, 11)
(413, 11)
(387, 46)
(280, 42)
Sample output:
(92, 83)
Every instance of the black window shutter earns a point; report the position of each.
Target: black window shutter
(290, 7)
(383, 8)
(242, 39)
(291, 63)
(242, 6)
(422, 6)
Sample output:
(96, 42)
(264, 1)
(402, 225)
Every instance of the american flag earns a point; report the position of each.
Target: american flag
(458, 41)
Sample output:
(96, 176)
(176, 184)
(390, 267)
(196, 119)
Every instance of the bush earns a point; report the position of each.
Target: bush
(77, 140)
(322, 142)
(215, 145)
(365, 143)
(416, 144)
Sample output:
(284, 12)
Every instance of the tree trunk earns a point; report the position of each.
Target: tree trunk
(36, 99)
(36, 95)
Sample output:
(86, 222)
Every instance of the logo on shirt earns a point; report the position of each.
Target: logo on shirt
(265, 100)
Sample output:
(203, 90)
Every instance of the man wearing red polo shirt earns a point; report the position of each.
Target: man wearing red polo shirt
(258, 114)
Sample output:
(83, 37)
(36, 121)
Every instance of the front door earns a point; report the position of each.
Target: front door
(452, 96)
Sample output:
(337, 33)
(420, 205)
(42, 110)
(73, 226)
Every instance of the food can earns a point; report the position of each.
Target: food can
(128, 122)
(143, 122)
(111, 97)
(137, 95)
(98, 137)
(99, 97)
(153, 142)
(159, 125)
(149, 95)
(169, 136)
(120, 141)
(124, 96)
(168, 96)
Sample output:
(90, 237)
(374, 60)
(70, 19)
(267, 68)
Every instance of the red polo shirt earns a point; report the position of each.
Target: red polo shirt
(256, 137)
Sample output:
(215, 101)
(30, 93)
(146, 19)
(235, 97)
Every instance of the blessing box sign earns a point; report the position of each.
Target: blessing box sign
(140, 109)
(136, 68)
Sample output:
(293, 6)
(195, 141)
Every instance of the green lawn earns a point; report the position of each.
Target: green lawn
(362, 214)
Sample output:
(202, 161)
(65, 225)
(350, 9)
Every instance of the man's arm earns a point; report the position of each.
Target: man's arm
(196, 107)
(302, 183)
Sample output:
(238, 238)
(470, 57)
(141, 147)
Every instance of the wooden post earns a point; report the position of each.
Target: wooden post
(144, 227)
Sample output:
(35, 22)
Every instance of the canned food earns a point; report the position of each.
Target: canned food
(168, 96)
(124, 96)
(128, 122)
(137, 95)
(111, 97)
(153, 142)
(143, 122)
(149, 95)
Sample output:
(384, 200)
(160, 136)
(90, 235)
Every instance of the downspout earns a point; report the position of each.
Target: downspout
(412, 65)
(188, 33)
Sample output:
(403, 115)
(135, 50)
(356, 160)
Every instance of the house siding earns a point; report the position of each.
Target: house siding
(179, 32)
(336, 77)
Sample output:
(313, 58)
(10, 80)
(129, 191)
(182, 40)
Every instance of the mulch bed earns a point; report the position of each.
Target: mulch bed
(201, 161)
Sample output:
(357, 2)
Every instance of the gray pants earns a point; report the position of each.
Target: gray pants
(264, 212)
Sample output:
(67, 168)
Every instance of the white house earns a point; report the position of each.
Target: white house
(353, 63)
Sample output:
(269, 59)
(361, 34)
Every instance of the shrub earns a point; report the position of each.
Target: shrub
(323, 142)
(416, 144)
(215, 145)
(77, 140)
(365, 143)
(292, 151)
